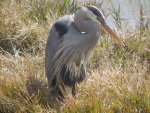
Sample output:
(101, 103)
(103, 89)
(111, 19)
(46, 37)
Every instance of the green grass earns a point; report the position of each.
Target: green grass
(118, 79)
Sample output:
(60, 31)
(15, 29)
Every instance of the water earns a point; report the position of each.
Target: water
(129, 12)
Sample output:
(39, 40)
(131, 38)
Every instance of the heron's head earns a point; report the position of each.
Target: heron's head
(93, 13)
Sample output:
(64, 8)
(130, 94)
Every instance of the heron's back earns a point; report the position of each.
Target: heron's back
(58, 30)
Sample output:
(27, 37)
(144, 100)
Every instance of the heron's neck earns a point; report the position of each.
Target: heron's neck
(89, 27)
(89, 38)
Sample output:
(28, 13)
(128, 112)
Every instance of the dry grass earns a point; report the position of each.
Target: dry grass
(118, 79)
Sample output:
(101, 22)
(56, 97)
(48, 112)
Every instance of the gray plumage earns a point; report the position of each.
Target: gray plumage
(69, 45)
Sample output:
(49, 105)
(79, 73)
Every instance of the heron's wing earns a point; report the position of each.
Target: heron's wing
(59, 28)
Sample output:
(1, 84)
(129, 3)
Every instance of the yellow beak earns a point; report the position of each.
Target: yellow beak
(109, 30)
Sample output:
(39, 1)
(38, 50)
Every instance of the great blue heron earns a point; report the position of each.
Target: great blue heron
(69, 45)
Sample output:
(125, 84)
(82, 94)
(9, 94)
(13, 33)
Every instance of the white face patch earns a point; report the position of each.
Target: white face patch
(84, 14)
(87, 13)
(91, 15)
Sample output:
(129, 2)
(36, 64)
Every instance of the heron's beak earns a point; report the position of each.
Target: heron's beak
(109, 30)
